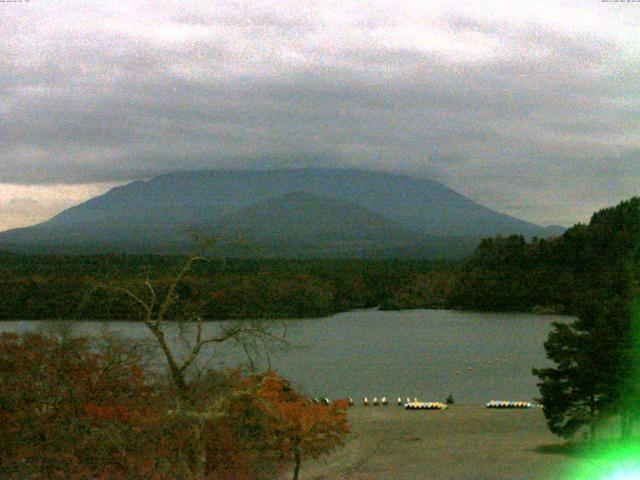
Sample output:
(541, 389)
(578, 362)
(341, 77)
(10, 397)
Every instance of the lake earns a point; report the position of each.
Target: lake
(427, 354)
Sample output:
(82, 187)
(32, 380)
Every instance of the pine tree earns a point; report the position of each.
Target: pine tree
(596, 356)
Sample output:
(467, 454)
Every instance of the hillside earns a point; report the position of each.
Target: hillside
(588, 265)
(304, 212)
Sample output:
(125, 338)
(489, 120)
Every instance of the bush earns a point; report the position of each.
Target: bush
(78, 408)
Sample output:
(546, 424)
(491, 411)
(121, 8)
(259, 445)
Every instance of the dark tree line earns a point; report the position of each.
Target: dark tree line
(561, 275)
(511, 274)
(84, 287)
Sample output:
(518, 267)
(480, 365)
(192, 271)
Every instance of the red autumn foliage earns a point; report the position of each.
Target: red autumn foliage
(342, 404)
(74, 408)
(294, 426)
(108, 413)
(70, 409)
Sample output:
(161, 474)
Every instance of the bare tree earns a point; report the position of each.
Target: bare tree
(247, 335)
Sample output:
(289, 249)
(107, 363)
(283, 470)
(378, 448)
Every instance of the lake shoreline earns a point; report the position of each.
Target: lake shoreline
(428, 354)
(539, 313)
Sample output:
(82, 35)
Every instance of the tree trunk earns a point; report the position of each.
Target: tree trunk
(626, 425)
(298, 459)
(200, 451)
(592, 425)
(176, 374)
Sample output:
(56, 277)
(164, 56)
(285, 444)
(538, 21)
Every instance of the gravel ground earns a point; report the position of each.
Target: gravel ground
(464, 442)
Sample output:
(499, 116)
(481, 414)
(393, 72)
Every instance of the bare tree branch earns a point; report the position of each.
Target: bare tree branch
(171, 296)
(147, 308)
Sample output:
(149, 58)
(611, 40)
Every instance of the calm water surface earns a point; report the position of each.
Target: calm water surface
(428, 354)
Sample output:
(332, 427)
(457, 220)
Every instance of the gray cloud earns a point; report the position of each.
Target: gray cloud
(526, 116)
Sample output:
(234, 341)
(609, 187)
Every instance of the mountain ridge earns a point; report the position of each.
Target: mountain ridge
(153, 214)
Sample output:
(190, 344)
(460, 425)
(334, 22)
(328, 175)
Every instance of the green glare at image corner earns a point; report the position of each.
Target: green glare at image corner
(619, 462)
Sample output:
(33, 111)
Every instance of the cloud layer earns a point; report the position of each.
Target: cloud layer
(530, 109)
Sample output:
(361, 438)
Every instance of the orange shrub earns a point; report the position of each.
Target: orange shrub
(75, 408)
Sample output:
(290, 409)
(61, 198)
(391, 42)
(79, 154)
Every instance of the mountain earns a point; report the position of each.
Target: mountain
(300, 217)
(305, 211)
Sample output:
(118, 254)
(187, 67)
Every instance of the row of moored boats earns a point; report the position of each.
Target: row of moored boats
(416, 404)
(509, 404)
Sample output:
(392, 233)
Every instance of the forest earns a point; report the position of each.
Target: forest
(90, 287)
(512, 273)
(560, 275)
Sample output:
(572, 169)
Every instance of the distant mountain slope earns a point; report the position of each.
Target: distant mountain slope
(299, 206)
(303, 218)
(552, 231)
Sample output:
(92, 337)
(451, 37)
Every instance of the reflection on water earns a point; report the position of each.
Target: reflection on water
(424, 353)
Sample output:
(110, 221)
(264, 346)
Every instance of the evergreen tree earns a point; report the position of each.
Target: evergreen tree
(596, 355)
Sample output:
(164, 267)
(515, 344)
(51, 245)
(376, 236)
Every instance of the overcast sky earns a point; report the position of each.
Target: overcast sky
(529, 107)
